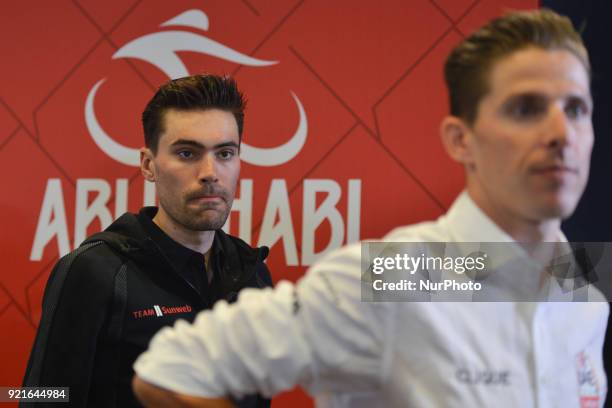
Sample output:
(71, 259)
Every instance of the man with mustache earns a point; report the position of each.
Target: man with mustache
(520, 124)
(105, 301)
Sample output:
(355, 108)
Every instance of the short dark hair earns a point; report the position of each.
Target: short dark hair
(197, 92)
(468, 66)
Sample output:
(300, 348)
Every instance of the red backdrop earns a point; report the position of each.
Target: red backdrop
(345, 98)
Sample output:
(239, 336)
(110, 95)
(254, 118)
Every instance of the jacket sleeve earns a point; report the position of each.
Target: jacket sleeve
(317, 333)
(64, 352)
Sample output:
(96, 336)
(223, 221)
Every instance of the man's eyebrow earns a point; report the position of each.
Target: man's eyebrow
(535, 94)
(588, 98)
(188, 142)
(526, 94)
(226, 144)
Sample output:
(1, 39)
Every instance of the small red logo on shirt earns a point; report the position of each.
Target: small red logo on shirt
(160, 311)
(587, 382)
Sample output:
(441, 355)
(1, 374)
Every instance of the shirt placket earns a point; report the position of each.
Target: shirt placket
(547, 355)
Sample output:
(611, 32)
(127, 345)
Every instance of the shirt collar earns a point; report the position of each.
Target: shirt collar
(178, 255)
(466, 223)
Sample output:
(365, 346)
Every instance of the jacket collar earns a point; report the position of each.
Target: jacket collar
(234, 260)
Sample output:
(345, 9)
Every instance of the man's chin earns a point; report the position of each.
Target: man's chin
(557, 207)
(207, 220)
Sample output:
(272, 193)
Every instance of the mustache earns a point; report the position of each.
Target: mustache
(208, 190)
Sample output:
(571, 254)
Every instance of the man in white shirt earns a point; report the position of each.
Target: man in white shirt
(520, 124)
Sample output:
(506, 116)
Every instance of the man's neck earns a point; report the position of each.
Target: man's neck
(521, 229)
(199, 241)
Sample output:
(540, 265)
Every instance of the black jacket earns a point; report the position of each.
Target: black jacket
(115, 292)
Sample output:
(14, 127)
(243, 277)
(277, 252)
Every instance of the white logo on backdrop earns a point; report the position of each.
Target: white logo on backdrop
(159, 49)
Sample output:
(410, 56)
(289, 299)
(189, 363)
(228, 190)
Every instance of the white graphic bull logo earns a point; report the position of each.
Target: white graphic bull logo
(160, 50)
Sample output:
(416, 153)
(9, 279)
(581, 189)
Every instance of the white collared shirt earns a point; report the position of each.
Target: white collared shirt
(349, 353)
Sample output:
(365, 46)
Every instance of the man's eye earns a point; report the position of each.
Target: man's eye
(576, 108)
(526, 108)
(226, 154)
(185, 154)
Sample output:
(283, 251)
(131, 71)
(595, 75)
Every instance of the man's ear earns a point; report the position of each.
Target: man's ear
(457, 139)
(147, 166)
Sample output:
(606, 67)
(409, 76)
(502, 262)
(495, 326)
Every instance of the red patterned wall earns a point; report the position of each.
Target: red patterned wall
(367, 75)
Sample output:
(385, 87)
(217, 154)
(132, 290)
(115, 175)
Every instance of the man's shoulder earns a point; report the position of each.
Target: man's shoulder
(84, 280)
(242, 256)
(94, 262)
(230, 242)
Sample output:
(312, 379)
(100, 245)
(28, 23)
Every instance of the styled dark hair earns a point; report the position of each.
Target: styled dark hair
(197, 92)
(467, 68)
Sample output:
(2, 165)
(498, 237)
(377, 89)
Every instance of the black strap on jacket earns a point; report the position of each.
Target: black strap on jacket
(51, 299)
(119, 305)
(115, 328)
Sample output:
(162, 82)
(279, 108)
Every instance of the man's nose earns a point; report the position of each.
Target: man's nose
(208, 169)
(558, 128)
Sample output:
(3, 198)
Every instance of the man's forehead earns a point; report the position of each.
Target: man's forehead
(538, 70)
(206, 127)
(178, 117)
